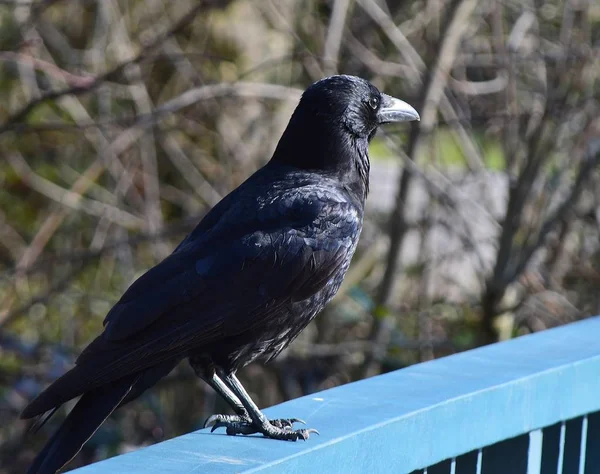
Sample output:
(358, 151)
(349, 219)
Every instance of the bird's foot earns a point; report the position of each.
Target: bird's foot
(281, 428)
(217, 421)
(271, 430)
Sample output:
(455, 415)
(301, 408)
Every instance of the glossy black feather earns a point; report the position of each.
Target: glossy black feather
(246, 281)
(89, 413)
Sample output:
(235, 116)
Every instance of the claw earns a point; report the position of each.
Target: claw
(211, 419)
(219, 424)
(305, 434)
(286, 423)
(225, 419)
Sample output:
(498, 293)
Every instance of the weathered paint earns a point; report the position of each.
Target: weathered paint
(415, 417)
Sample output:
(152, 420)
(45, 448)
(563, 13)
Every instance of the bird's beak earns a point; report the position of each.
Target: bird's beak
(396, 110)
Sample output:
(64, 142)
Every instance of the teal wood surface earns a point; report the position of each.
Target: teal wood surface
(417, 417)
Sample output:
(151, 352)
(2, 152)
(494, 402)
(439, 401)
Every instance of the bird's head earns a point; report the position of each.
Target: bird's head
(354, 104)
(331, 128)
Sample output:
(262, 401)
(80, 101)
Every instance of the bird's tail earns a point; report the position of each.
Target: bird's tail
(81, 423)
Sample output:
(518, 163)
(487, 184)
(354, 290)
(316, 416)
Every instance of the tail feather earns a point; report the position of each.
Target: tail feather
(81, 423)
(72, 384)
(41, 420)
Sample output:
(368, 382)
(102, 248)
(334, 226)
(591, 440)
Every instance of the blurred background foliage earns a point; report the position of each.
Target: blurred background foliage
(123, 122)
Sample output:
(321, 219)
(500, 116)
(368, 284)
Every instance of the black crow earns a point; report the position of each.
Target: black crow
(244, 283)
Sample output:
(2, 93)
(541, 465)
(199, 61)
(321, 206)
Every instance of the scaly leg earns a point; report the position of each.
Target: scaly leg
(200, 366)
(276, 429)
(241, 415)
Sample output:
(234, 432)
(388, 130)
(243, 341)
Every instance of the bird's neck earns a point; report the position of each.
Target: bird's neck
(329, 149)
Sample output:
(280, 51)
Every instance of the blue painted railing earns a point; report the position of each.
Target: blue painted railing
(530, 405)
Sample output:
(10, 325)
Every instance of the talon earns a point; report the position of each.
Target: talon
(211, 419)
(228, 419)
(219, 424)
(286, 423)
(305, 434)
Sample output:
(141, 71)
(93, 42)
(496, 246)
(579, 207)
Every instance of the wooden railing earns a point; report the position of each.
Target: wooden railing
(526, 406)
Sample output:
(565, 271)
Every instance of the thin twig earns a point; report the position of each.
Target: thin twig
(432, 92)
(334, 36)
(112, 75)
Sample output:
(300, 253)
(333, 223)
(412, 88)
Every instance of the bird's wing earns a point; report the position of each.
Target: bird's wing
(226, 282)
(237, 276)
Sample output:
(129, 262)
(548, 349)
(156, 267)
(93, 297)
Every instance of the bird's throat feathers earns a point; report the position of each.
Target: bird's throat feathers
(362, 164)
(326, 147)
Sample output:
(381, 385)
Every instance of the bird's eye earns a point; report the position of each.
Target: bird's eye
(374, 102)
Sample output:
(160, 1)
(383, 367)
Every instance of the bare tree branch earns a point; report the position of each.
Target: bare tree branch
(112, 75)
(432, 92)
(334, 36)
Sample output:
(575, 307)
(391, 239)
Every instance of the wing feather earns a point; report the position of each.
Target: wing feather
(206, 292)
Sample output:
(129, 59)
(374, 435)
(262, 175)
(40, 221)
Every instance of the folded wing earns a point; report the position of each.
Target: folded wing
(221, 283)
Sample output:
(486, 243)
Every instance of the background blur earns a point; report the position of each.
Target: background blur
(123, 122)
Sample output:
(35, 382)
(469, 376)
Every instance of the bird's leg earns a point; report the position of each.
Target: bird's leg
(242, 419)
(200, 366)
(241, 415)
(204, 370)
(276, 429)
